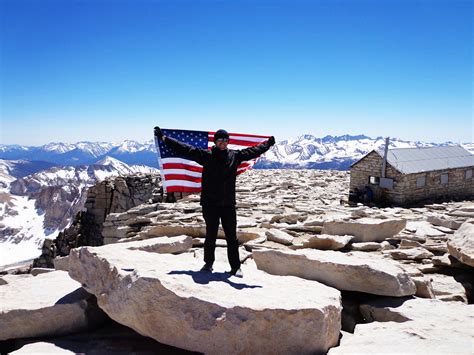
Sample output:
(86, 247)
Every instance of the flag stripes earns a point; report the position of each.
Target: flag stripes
(183, 175)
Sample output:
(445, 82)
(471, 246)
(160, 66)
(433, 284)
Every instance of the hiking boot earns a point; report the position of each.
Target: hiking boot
(207, 268)
(236, 272)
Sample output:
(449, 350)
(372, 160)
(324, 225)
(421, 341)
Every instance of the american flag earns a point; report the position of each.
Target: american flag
(183, 175)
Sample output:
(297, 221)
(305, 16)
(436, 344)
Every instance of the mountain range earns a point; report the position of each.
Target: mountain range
(83, 153)
(306, 151)
(332, 152)
(42, 188)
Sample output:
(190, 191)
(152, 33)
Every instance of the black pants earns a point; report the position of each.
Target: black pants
(227, 215)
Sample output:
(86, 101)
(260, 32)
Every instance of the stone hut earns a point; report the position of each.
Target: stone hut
(412, 175)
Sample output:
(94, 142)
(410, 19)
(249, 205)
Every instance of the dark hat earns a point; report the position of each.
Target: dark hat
(221, 133)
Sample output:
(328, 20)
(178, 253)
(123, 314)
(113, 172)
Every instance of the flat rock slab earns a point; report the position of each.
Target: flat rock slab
(448, 260)
(454, 314)
(446, 288)
(409, 254)
(165, 297)
(412, 326)
(170, 230)
(444, 222)
(49, 304)
(278, 236)
(163, 245)
(423, 229)
(198, 231)
(366, 229)
(366, 246)
(404, 338)
(327, 242)
(245, 235)
(356, 271)
(461, 243)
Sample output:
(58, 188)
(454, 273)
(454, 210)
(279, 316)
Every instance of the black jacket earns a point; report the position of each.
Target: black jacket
(219, 169)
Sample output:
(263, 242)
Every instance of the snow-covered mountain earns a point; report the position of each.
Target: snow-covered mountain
(81, 153)
(39, 205)
(331, 152)
(306, 151)
(94, 149)
(469, 147)
(20, 168)
(125, 169)
(130, 146)
(63, 185)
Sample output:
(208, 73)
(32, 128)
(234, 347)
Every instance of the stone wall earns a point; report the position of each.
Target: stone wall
(405, 190)
(371, 165)
(458, 187)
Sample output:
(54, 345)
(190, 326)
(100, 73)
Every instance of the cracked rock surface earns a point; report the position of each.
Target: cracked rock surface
(165, 297)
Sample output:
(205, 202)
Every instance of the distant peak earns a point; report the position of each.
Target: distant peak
(307, 136)
(130, 141)
(107, 160)
(345, 137)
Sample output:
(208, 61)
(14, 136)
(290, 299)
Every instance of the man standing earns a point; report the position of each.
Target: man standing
(218, 190)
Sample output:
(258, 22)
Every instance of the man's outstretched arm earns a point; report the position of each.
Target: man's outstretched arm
(254, 152)
(181, 148)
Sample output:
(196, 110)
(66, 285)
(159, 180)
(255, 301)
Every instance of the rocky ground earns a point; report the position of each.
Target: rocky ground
(319, 276)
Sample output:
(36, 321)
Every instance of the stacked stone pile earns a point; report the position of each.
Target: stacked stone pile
(313, 270)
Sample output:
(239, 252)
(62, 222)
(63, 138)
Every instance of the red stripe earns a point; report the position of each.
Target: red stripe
(211, 134)
(182, 166)
(243, 143)
(182, 177)
(182, 189)
(241, 165)
(193, 168)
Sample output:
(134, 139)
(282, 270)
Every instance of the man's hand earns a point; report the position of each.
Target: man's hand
(271, 140)
(158, 133)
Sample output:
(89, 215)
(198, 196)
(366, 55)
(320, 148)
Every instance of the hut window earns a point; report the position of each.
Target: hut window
(386, 183)
(468, 174)
(420, 181)
(374, 180)
(444, 179)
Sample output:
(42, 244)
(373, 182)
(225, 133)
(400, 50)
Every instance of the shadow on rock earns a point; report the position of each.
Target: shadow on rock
(111, 339)
(74, 296)
(204, 278)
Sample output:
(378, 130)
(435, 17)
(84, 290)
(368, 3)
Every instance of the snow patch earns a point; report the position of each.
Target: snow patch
(25, 245)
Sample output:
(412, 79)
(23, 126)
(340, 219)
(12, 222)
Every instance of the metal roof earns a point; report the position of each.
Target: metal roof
(417, 160)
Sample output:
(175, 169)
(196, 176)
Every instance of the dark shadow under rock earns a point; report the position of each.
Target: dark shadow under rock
(351, 315)
(112, 338)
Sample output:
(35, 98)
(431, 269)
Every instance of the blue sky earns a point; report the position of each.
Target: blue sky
(112, 70)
